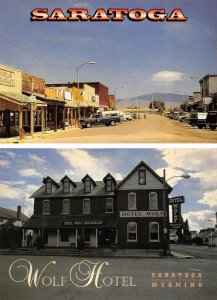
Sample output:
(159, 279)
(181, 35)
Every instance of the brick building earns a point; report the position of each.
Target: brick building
(127, 213)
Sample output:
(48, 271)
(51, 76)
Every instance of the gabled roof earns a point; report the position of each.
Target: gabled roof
(109, 176)
(143, 164)
(88, 176)
(49, 178)
(66, 177)
(11, 214)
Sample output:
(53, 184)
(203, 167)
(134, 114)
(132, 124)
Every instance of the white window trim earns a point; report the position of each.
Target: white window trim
(110, 212)
(66, 213)
(150, 200)
(131, 193)
(46, 213)
(151, 223)
(69, 187)
(85, 188)
(86, 213)
(133, 241)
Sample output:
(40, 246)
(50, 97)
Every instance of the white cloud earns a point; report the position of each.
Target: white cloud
(30, 188)
(36, 158)
(5, 163)
(81, 163)
(210, 199)
(168, 76)
(14, 182)
(8, 192)
(29, 173)
(10, 154)
(198, 219)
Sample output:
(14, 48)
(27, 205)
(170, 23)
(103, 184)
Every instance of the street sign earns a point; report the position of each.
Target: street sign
(176, 212)
(32, 98)
(177, 199)
(175, 225)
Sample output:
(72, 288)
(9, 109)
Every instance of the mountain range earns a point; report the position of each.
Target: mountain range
(143, 101)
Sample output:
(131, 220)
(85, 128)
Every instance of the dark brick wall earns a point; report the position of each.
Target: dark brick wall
(32, 84)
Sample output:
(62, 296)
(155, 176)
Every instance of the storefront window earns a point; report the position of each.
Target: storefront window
(1, 119)
(142, 177)
(64, 235)
(109, 205)
(153, 203)
(154, 231)
(12, 118)
(86, 206)
(46, 206)
(66, 206)
(131, 201)
(132, 231)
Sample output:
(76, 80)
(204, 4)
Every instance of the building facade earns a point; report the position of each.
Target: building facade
(208, 87)
(128, 213)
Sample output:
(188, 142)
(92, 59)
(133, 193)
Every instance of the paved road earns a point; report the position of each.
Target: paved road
(121, 279)
(196, 251)
(154, 129)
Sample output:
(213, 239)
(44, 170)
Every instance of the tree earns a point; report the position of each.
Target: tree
(158, 104)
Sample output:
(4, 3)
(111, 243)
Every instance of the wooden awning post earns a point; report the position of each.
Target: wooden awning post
(55, 118)
(96, 238)
(42, 120)
(32, 119)
(20, 117)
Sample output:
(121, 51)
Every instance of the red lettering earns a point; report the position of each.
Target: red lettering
(78, 14)
(57, 15)
(118, 13)
(39, 14)
(177, 15)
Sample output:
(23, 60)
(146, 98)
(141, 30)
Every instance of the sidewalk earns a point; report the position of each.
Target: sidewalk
(37, 136)
(105, 252)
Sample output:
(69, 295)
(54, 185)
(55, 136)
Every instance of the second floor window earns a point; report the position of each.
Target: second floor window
(153, 203)
(131, 201)
(66, 206)
(87, 186)
(109, 205)
(46, 206)
(142, 177)
(86, 206)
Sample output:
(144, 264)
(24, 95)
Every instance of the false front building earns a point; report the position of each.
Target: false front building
(129, 213)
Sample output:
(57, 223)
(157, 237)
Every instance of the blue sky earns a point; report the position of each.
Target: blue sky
(22, 171)
(141, 56)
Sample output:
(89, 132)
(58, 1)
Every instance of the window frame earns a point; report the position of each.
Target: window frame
(141, 177)
(64, 187)
(154, 240)
(112, 205)
(48, 190)
(64, 212)
(131, 232)
(156, 201)
(46, 201)
(87, 188)
(135, 204)
(86, 199)
(110, 186)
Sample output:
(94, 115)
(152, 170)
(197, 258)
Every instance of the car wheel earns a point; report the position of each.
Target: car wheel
(88, 125)
(113, 123)
(200, 126)
(212, 127)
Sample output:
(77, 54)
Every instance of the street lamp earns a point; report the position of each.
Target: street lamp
(78, 73)
(165, 223)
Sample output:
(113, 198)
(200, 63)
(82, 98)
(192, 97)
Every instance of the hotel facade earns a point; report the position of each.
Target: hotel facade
(131, 213)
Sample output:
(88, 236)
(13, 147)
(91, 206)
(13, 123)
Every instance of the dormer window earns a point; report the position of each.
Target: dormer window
(87, 186)
(109, 185)
(48, 187)
(66, 187)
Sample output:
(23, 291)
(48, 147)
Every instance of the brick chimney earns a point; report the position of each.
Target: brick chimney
(18, 212)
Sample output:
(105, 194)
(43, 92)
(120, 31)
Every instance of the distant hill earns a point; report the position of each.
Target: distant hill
(170, 99)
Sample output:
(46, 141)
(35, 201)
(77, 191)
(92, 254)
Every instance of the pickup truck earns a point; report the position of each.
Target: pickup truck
(211, 120)
(201, 120)
(100, 119)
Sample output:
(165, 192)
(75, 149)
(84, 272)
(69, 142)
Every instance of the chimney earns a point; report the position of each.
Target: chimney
(18, 212)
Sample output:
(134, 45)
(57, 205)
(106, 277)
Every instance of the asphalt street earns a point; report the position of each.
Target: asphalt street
(196, 251)
(70, 278)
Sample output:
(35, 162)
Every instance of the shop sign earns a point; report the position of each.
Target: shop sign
(92, 222)
(176, 212)
(141, 214)
(177, 199)
(7, 77)
(175, 225)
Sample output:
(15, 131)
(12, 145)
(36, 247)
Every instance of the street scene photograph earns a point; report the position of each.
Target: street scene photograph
(121, 73)
(112, 223)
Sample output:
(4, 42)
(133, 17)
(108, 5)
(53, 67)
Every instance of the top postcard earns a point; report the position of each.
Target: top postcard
(106, 71)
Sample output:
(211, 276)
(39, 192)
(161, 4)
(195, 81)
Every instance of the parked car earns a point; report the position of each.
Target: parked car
(211, 120)
(193, 119)
(98, 119)
(136, 116)
(127, 116)
(201, 120)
